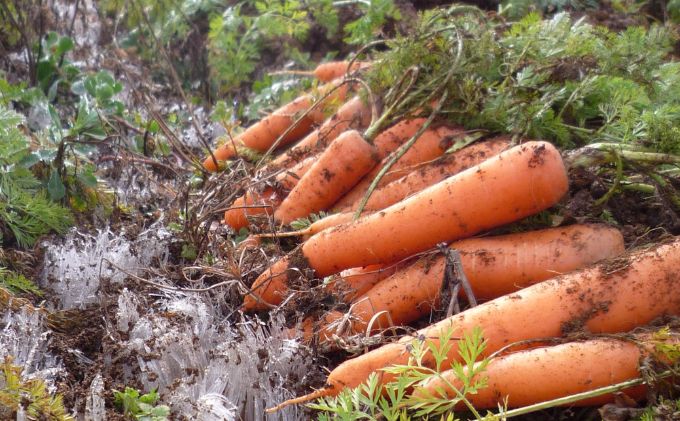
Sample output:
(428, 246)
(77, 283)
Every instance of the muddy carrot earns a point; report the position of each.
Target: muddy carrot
(431, 173)
(386, 142)
(614, 296)
(337, 170)
(411, 183)
(538, 375)
(430, 145)
(517, 183)
(354, 114)
(253, 203)
(356, 281)
(494, 266)
(262, 135)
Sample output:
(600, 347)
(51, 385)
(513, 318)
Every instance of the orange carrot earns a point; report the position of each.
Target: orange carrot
(614, 296)
(346, 160)
(517, 183)
(393, 137)
(354, 114)
(325, 72)
(262, 135)
(537, 375)
(494, 266)
(253, 203)
(290, 177)
(411, 183)
(431, 173)
(356, 281)
(430, 145)
(386, 142)
(250, 242)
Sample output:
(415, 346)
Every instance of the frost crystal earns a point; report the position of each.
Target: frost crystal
(26, 339)
(73, 269)
(208, 369)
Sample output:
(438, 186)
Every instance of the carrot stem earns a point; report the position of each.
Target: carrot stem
(578, 396)
(600, 153)
(617, 181)
(377, 125)
(415, 137)
(297, 233)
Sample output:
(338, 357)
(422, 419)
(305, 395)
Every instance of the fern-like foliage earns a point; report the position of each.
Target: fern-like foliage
(25, 210)
(558, 79)
(17, 283)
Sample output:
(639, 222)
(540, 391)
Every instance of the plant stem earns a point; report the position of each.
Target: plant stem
(341, 3)
(617, 181)
(602, 153)
(578, 396)
(395, 157)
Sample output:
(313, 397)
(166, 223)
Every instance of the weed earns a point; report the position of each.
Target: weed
(302, 223)
(141, 406)
(375, 13)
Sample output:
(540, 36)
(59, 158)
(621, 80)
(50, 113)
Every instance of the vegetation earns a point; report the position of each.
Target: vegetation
(141, 406)
(17, 283)
(26, 212)
(395, 400)
(30, 396)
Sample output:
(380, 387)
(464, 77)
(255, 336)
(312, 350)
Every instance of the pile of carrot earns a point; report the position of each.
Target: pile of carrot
(391, 249)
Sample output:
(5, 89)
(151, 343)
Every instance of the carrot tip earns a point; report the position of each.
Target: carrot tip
(302, 399)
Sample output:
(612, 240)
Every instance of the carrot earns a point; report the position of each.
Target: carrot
(517, 183)
(356, 281)
(290, 177)
(325, 72)
(431, 173)
(354, 114)
(353, 111)
(411, 183)
(494, 266)
(250, 242)
(614, 296)
(253, 203)
(393, 137)
(542, 374)
(346, 160)
(262, 135)
(386, 142)
(430, 145)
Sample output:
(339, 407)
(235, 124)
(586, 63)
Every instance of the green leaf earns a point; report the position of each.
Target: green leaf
(55, 187)
(88, 178)
(64, 45)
